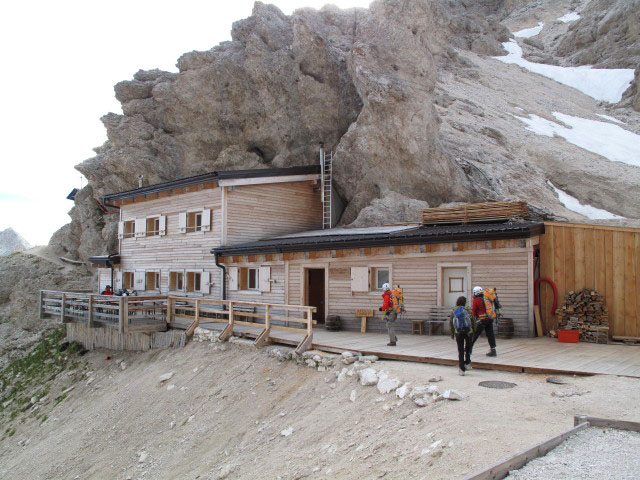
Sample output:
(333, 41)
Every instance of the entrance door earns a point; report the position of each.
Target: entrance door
(454, 285)
(315, 292)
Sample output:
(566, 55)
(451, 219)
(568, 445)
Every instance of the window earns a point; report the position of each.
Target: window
(176, 281)
(194, 221)
(129, 229)
(153, 226)
(194, 281)
(248, 278)
(153, 281)
(381, 276)
(127, 280)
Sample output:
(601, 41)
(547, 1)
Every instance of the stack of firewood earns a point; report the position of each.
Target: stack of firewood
(585, 311)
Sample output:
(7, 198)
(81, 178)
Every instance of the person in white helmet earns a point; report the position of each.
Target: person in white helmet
(390, 314)
(485, 323)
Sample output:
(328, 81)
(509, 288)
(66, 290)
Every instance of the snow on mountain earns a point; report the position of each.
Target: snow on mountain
(588, 211)
(607, 84)
(569, 17)
(529, 32)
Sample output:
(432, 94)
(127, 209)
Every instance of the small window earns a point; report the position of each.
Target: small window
(176, 281)
(381, 276)
(153, 280)
(127, 280)
(153, 226)
(193, 281)
(129, 229)
(194, 221)
(248, 278)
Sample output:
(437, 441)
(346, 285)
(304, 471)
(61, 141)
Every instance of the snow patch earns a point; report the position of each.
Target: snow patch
(607, 84)
(602, 138)
(569, 17)
(611, 119)
(529, 32)
(573, 204)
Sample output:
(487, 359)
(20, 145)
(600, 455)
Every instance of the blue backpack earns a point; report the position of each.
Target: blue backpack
(461, 318)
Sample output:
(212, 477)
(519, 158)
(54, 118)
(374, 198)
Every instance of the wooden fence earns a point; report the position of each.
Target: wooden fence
(149, 314)
(598, 257)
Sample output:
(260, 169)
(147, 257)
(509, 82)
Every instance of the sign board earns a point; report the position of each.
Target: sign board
(363, 312)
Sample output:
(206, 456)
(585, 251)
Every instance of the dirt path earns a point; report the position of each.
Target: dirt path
(223, 412)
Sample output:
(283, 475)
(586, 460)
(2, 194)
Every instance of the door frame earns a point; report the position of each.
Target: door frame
(304, 278)
(441, 267)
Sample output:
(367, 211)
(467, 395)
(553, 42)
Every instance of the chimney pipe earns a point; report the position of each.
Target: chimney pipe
(140, 180)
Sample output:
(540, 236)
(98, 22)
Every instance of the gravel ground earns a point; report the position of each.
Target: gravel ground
(592, 453)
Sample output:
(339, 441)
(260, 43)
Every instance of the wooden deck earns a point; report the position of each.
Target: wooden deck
(527, 355)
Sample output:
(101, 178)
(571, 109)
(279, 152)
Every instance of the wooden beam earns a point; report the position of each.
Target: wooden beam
(501, 469)
(90, 319)
(63, 298)
(121, 314)
(605, 422)
(536, 312)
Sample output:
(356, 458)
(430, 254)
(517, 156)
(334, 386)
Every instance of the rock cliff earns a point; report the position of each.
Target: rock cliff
(12, 242)
(405, 94)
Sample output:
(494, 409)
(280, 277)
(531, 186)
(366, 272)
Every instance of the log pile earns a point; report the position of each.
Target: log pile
(585, 311)
(470, 212)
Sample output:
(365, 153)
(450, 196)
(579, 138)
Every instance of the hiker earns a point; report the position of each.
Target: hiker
(484, 311)
(462, 324)
(390, 314)
(107, 291)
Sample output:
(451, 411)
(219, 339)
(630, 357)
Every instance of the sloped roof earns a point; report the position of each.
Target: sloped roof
(399, 236)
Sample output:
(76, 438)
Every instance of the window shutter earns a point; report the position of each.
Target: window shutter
(206, 220)
(182, 222)
(264, 279)
(360, 279)
(163, 225)
(117, 277)
(205, 282)
(141, 227)
(233, 278)
(120, 230)
(139, 280)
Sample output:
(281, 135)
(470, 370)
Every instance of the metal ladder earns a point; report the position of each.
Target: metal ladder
(326, 167)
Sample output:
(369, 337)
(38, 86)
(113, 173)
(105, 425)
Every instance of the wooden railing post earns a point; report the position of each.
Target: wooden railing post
(62, 301)
(309, 321)
(40, 305)
(121, 314)
(169, 309)
(267, 316)
(228, 330)
(90, 317)
(125, 316)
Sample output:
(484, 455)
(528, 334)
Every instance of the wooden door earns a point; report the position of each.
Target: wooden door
(316, 293)
(454, 285)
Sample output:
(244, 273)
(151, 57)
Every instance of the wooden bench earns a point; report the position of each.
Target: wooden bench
(438, 317)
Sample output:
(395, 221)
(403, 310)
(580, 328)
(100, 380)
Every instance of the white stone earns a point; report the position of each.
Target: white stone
(351, 373)
(123, 365)
(347, 354)
(322, 368)
(190, 419)
(349, 360)
(453, 395)
(317, 358)
(310, 363)
(436, 378)
(143, 457)
(435, 444)
(402, 391)
(379, 399)
(171, 387)
(418, 391)
(286, 432)
(386, 408)
(165, 377)
(342, 375)
(352, 397)
(421, 401)
(433, 389)
(172, 424)
(386, 384)
(368, 377)
(368, 358)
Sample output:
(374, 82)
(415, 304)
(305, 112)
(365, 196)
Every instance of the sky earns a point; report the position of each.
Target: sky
(60, 61)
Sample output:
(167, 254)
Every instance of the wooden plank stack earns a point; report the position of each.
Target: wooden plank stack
(471, 212)
(585, 311)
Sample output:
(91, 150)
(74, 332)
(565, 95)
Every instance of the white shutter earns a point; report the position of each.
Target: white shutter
(182, 222)
(120, 230)
(206, 220)
(141, 227)
(117, 277)
(205, 282)
(163, 225)
(139, 280)
(264, 279)
(233, 278)
(360, 279)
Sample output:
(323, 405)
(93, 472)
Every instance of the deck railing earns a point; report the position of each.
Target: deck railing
(146, 314)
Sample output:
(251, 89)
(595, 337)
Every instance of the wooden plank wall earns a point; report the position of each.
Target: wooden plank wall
(502, 264)
(255, 212)
(606, 259)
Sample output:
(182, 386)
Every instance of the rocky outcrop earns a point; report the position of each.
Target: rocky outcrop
(12, 242)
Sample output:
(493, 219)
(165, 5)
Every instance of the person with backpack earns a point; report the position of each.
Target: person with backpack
(462, 324)
(390, 314)
(484, 310)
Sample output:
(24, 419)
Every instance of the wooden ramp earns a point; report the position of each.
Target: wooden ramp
(527, 355)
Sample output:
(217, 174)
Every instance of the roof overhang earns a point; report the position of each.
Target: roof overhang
(105, 260)
(416, 236)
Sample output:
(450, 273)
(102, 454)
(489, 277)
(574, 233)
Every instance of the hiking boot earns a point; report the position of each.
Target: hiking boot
(461, 372)
(492, 353)
(468, 367)
(391, 344)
